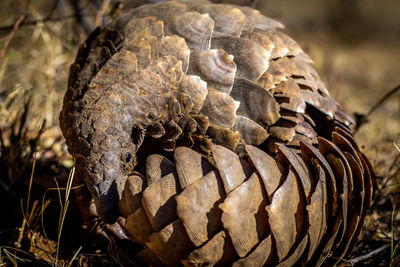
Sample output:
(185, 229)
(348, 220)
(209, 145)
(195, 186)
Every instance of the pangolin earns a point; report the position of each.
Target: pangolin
(206, 132)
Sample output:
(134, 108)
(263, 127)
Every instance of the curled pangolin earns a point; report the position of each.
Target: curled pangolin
(207, 130)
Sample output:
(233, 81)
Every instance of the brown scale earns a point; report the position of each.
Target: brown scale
(228, 20)
(205, 133)
(195, 28)
(280, 49)
(250, 58)
(215, 66)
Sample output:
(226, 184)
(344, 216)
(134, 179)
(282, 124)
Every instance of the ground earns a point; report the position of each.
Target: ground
(355, 46)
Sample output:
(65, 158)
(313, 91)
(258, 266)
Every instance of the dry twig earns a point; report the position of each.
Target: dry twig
(361, 119)
(48, 18)
(81, 17)
(11, 35)
(368, 255)
(101, 12)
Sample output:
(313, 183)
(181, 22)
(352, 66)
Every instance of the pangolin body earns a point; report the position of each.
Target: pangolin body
(206, 128)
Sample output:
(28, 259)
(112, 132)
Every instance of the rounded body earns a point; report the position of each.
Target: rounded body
(207, 129)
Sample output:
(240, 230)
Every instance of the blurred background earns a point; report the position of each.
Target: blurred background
(355, 45)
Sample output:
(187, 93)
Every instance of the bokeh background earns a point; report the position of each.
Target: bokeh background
(355, 45)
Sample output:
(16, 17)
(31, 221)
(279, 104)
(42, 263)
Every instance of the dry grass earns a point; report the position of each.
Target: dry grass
(358, 58)
(33, 77)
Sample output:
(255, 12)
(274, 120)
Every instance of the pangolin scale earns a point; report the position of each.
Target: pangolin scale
(205, 131)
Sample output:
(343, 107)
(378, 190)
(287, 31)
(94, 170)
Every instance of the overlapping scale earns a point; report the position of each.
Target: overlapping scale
(244, 216)
(282, 133)
(196, 89)
(177, 47)
(294, 257)
(138, 226)
(286, 156)
(200, 215)
(282, 215)
(250, 58)
(214, 66)
(144, 27)
(159, 202)
(190, 166)
(132, 195)
(259, 38)
(220, 108)
(209, 132)
(277, 72)
(271, 172)
(256, 103)
(259, 256)
(256, 21)
(229, 167)
(251, 132)
(157, 166)
(280, 49)
(195, 28)
(174, 8)
(228, 20)
(218, 251)
(171, 244)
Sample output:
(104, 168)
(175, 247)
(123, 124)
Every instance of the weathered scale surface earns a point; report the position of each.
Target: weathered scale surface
(206, 129)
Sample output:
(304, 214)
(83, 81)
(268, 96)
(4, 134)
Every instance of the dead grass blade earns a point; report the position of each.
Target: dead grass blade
(361, 119)
(64, 209)
(11, 35)
(75, 256)
(394, 249)
(31, 181)
(398, 149)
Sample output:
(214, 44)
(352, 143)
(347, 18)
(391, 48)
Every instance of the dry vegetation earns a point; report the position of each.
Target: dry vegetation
(355, 45)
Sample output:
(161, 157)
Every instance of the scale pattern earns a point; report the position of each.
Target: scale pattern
(206, 128)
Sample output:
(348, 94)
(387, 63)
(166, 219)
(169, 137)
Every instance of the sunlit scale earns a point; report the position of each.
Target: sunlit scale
(208, 131)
